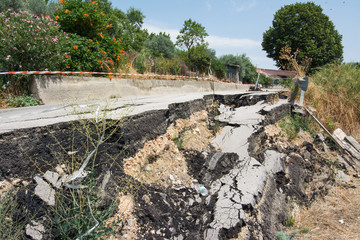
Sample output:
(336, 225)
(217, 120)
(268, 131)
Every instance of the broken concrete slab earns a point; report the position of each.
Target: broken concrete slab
(35, 230)
(44, 191)
(53, 178)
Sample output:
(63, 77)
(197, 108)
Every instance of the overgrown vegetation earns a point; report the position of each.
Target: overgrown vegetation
(22, 101)
(334, 91)
(293, 124)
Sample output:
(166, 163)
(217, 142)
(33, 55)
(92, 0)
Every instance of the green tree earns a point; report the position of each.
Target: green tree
(161, 45)
(305, 27)
(191, 34)
(128, 27)
(247, 71)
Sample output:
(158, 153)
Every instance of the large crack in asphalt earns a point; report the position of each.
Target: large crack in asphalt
(242, 187)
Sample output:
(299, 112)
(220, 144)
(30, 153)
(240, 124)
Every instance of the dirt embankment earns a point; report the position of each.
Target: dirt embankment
(159, 176)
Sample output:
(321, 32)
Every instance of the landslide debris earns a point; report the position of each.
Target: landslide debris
(159, 175)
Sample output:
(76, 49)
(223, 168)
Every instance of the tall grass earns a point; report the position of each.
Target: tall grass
(335, 93)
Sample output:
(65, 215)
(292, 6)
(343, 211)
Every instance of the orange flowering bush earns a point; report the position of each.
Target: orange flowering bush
(90, 47)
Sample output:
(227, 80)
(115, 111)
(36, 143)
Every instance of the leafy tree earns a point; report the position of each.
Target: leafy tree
(128, 27)
(247, 71)
(161, 45)
(191, 34)
(202, 57)
(218, 67)
(305, 27)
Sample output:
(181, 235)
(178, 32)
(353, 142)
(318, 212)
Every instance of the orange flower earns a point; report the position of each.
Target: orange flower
(86, 15)
(67, 56)
(90, 40)
(66, 11)
(129, 63)
(114, 38)
(75, 47)
(97, 42)
(93, 2)
(122, 51)
(75, 20)
(57, 18)
(100, 61)
(67, 66)
(102, 13)
(118, 58)
(101, 35)
(61, 1)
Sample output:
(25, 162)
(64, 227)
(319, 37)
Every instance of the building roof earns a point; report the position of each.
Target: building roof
(280, 73)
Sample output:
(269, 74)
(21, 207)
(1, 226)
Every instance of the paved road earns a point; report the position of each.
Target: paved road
(28, 117)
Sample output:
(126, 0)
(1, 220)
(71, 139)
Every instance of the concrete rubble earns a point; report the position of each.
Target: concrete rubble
(242, 187)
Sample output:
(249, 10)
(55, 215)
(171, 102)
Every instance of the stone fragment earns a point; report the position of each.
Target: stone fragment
(53, 178)
(44, 191)
(340, 175)
(35, 230)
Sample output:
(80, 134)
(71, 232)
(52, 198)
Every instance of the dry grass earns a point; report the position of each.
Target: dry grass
(335, 94)
(322, 218)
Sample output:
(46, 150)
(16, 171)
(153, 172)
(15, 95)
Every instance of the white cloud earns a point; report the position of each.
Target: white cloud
(225, 42)
(208, 5)
(240, 7)
(155, 29)
(224, 45)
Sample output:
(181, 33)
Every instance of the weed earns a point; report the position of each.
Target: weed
(179, 141)
(290, 222)
(10, 228)
(22, 101)
(284, 236)
(79, 210)
(292, 125)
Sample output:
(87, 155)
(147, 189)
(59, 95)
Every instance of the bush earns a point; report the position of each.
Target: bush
(29, 42)
(22, 101)
(89, 46)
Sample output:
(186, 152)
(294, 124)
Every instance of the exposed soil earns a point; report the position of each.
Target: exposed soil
(156, 163)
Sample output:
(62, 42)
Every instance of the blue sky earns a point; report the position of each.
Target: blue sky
(237, 26)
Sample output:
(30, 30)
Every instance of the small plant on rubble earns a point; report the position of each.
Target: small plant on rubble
(292, 125)
(83, 205)
(80, 211)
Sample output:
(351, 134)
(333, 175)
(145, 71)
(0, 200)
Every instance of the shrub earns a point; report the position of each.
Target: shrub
(90, 47)
(29, 42)
(22, 101)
